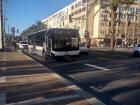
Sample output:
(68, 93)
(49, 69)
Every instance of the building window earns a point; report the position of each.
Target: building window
(84, 1)
(83, 9)
(83, 17)
(72, 14)
(79, 11)
(76, 12)
(72, 7)
(138, 10)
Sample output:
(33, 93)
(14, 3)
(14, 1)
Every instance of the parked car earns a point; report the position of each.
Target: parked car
(136, 50)
(84, 49)
(23, 45)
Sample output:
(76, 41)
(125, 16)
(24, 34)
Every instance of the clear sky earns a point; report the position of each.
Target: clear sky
(23, 13)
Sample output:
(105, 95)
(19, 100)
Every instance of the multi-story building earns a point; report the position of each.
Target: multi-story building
(127, 25)
(77, 11)
(93, 21)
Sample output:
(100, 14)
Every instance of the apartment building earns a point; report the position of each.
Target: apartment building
(127, 25)
(93, 21)
(78, 12)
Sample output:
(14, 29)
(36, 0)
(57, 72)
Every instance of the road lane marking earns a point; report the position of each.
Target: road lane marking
(98, 67)
(2, 79)
(107, 59)
(68, 63)
(92, 100)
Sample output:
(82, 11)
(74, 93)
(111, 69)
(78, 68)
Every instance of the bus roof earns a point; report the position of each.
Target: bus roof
(55, 31)
(62, 31)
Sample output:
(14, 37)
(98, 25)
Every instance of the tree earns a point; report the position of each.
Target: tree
(113, 6)
(33, 28)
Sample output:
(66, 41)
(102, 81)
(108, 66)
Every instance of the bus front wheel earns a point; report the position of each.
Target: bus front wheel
(44, 54)
(52, 56)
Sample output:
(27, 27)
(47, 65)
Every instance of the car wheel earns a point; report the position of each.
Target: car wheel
(52, 56)
(136, 53)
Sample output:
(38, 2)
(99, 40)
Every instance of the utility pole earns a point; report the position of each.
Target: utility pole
(1, 26)
(4, 29)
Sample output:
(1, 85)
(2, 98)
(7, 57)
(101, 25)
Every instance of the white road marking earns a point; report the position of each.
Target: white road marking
(98, 67)
(2, 79)
(78, 90)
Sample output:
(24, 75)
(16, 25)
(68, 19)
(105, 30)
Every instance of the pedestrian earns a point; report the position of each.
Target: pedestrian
(14, 45)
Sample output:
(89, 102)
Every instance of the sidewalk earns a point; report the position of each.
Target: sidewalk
(24, 81)
(109, 49)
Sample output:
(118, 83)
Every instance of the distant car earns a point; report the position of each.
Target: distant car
(84, 49)
(23, 45)
(136, 50)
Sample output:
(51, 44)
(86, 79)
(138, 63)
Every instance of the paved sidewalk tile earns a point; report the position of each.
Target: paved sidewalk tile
(26, 82)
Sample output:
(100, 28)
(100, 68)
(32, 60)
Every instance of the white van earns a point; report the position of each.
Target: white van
(136, 50)
(23, 45)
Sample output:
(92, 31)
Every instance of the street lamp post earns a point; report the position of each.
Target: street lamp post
(134, 20)
(4, 30)
(87, 15)
(1, 25)
(126, 21)
(86, 31)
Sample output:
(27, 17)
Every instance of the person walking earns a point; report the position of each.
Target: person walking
(14, 45)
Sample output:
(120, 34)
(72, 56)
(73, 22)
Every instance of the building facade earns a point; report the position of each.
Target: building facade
(93, 21)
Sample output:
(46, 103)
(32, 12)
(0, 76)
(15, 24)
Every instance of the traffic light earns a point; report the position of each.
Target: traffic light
(70, 18)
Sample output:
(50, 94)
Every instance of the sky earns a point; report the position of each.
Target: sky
(21, 14)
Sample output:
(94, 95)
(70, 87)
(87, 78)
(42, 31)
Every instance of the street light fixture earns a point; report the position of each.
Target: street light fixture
(86, 34)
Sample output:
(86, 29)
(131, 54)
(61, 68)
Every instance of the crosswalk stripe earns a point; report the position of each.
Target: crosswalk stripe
(2, 79)
(96, 67)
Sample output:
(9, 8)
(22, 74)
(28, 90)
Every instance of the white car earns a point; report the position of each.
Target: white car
(83, 48)
(136, 50)
(23, 45)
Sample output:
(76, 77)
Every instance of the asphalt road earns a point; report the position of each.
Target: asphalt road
(113, 78)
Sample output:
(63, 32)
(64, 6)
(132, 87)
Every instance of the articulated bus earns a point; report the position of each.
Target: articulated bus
(55, 43)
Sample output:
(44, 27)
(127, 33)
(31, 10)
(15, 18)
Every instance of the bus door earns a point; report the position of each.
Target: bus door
(48, 46)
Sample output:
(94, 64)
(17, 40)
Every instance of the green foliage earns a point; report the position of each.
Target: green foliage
(114, 3)
(34, 28)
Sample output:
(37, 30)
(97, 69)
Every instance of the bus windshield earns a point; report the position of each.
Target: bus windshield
(65, 44)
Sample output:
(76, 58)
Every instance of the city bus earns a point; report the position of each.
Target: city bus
(55, 43)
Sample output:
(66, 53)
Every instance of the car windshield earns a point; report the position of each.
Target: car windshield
(24, 43)
(82, 45)
(138, 45)
(65, 44)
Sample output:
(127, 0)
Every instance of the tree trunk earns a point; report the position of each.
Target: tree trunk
(112, 43)
(113, 28)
